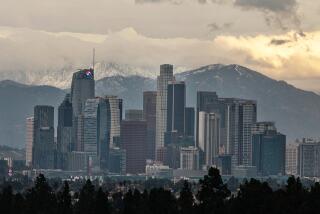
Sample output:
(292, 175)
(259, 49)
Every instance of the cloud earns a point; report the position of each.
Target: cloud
(51, 56)
(216, 27)
(281, 13)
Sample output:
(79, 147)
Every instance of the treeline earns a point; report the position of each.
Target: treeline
(211, 197)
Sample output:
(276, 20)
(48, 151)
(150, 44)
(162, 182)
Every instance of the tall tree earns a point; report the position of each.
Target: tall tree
(186, 199)
(64, 200)
(212, 193)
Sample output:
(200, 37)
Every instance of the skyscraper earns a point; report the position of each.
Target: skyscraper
(114, 108)
(268, 149)
(64, 132)
(189, 121)
(247, 117)
(149, 115)
(206, 100)
(176, 104)
(29, 140)
(309, 158)
(133, 141)
(96, 133)
(43, 138)
(166, 75)
(134, 114)
(209, 136)
(82, 88)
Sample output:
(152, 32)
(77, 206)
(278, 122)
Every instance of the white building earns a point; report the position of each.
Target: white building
(29, 140)
(292, 159)
(166, 75)
(209, 136)
(189, 158)
(114, 106)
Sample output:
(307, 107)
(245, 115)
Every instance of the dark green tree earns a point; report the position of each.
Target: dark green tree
(86, 201)
(186, 199)
(213, 193)
(102, 205)
(64, 200)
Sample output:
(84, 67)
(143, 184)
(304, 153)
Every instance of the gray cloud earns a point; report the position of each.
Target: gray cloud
(279, 41)
(216, 27)
(280, 13)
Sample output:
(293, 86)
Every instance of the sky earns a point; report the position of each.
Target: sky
(279, 38)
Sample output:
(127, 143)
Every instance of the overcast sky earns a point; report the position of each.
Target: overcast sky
(280, 38)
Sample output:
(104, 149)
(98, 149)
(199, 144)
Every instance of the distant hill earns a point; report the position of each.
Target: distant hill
(16, 103)
(296, 112)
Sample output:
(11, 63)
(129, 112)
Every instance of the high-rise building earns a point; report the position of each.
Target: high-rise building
(82, 88)
(189, 121)
(64, 132)
(134, 114)
(114, 106)
(149, 115)
(292, 159)
(43, 138)
(133, 140)
(189, 158)
(247, 117)
(205, 102)
(117, 161)
(29, 140)
(309, 158)
(176, 104)
(268, 149)
(96, 133)
(166, 75)
(209, 136)
(236, 119)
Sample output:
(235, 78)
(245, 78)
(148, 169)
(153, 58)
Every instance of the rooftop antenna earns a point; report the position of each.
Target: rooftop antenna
(93, 58)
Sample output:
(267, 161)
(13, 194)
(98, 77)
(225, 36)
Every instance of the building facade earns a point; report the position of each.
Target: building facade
(149, 115)
(268, 149)
(96, 132)
(29, 140)
(114, 107)
(64, 132)
(166, 75)
(209, 136)
(189, 158)
(82, 88)
(43, 138)
(133, 140)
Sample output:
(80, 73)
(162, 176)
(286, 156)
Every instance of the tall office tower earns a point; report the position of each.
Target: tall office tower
(189, 158)
(309, 158)
(176, 104)
(166, 75)
(133, 140)
(247, 117)
(268, 149)
(292, 159)
(29, 140)
(209, 136)
(64, 132)
(149, 115)
(96, 133)
(206, 102)
(82, 88)
(189, 121)
(134, 114)
(114, 106)
(117, 161)
(43, 138)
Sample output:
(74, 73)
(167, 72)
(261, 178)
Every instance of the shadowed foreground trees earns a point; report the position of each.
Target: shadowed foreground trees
(210, 196)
